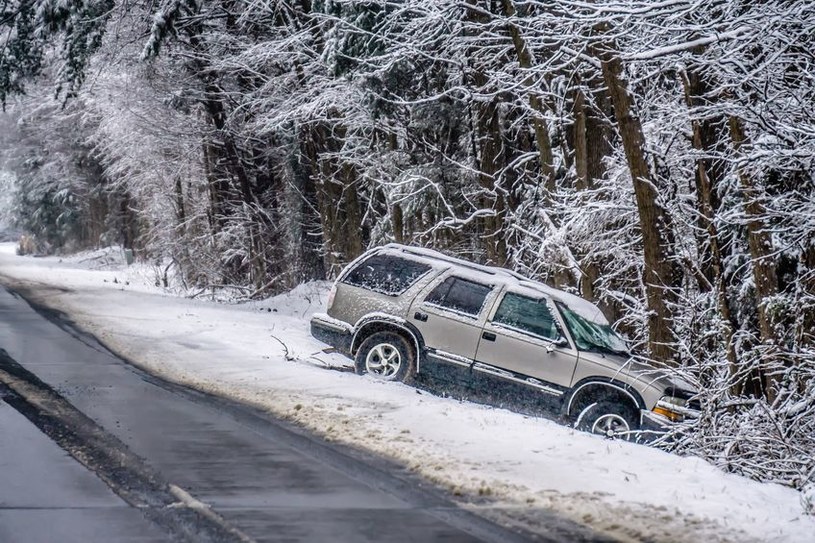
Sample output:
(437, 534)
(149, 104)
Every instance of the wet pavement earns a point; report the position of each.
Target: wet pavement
(46, 496)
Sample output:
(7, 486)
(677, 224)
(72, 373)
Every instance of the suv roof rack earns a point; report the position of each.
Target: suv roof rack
(435, 255)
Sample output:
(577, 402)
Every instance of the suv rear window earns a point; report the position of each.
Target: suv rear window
(459, 295)
(387, 274)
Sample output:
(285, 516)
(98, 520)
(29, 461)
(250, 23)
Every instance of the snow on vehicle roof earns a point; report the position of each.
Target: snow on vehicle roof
(494, 275)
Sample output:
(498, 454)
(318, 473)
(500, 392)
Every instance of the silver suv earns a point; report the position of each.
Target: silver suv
(406, 313)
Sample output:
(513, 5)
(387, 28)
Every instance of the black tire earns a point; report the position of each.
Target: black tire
(609, 419)
(387, 356)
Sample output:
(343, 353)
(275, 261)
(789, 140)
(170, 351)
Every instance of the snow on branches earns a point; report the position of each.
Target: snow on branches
(655, 157)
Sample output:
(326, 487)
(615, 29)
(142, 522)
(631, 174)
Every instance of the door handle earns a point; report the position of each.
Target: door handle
(489, 336)
(419, 316)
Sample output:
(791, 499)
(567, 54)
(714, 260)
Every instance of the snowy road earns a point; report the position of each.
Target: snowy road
(260, 479)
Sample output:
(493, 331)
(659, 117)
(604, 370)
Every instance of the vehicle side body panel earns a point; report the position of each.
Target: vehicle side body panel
(600, 367)
(527, 356)
(447, 330)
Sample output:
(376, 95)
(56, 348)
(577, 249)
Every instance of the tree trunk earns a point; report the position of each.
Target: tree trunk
(660, 274)
(337, 200)
(544, 142)
(590, 270)
(761, 249)
(580, 142)
(806, 332)
(398, 223)
(706, 179)
(308, 219)
(217, 187)
(180, 208)
(352, 220)
(488, 131)
(591, 135)
(487, 150)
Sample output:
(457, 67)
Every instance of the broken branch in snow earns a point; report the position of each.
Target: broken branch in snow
(286, 354)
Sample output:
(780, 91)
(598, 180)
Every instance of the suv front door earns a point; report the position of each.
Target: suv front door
(523, 335)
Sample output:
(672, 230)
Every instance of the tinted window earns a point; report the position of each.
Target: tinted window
(460, 295)
(527, 314)
(387, 274)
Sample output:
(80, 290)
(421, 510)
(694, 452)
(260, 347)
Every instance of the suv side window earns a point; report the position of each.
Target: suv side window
(527, 315)
(459, 295)
(386, 274)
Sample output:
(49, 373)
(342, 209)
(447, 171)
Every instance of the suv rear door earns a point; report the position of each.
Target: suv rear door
(523, 335)
(451, 314)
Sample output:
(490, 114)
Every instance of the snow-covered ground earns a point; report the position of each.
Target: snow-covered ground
(262, 353)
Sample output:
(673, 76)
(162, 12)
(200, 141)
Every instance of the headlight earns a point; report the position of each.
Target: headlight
(674, 408)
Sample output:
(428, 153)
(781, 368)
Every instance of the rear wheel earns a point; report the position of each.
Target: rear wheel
(608, 419)
(386, 356)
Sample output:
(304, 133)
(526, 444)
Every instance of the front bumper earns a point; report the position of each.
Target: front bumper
(653, 422)
(333, 332)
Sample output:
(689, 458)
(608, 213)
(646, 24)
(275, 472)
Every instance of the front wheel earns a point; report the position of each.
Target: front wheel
(608, 419)
(386, 356)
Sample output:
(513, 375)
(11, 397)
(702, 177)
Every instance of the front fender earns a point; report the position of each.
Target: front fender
(608, 382)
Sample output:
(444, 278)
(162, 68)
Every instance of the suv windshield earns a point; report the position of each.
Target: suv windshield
(591, 336)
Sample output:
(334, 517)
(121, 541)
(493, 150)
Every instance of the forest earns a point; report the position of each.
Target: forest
(655, 157)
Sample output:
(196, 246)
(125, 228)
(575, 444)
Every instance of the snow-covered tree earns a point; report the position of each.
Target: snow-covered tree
(655, 157)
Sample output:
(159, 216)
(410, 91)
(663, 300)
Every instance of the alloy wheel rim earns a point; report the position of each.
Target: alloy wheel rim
(610, 425)
(383, 360)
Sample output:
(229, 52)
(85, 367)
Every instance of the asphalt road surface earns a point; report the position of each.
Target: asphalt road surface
(93, 449)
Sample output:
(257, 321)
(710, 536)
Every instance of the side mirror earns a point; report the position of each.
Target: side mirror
(559, 342)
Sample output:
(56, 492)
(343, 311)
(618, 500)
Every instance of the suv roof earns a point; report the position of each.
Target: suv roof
(495, 275)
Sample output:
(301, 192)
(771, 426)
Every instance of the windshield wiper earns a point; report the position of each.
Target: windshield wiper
(603, 349)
